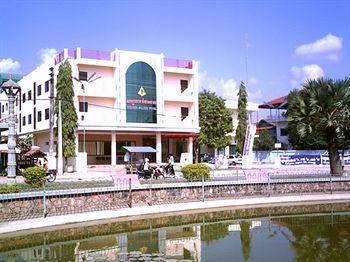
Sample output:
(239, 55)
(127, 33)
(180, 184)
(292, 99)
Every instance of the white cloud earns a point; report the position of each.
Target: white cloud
(253, 81)
(8, 65)
(46, 54)
(226, 88)
(327, 47)
(302, 74)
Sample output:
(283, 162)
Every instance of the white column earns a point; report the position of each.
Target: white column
(59, 141)
(159, 148)
(227, 151)
(114, 149)
(190, 148)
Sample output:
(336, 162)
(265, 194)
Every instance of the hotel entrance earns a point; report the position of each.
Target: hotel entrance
(104, 148)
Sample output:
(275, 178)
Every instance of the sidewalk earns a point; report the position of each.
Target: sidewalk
(140, 211)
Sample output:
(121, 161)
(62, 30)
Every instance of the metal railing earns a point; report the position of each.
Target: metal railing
(180, 63)
(43, 202)
(95, 54)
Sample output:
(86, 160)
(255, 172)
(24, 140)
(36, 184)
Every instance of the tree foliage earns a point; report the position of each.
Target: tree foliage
(25, 143)
(313, 141)
(215, 121)
(264, 142)
(242, 117)
(323, 106)
(65, 92)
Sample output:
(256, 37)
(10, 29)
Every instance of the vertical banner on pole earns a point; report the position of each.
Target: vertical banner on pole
(247, 158)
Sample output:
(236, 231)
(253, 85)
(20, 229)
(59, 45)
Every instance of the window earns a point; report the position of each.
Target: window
(24, 121)
(47, 113)
(184, 85)
(39, 90)
(47, 86)
(83, 106)
(184, 112)
(16, 101)
(141, 94)
(29, 95)
(39, 116)
(7, 106)
(23, 98)
(29, 119)
(284, 132)
(83, 76)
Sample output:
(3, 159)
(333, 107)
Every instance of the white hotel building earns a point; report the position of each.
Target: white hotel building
(129, 98)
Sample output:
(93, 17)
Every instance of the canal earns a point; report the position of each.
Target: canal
(276, 233)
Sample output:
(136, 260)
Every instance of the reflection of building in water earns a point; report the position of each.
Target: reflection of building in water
(237, 227)
(179, 243)
(174, 242)
(106, 247)
(183, 243)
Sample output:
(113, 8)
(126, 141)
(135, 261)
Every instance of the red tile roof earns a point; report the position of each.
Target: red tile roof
(278, 103)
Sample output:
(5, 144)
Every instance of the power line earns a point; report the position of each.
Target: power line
(92, 104)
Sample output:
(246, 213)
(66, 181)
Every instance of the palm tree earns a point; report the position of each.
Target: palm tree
(323, 105)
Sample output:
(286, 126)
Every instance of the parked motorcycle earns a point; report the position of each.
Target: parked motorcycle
(154, 172)
(166, 171)
(51, 175)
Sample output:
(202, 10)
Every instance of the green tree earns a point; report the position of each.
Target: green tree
(215, 121)
(245, 239)
(242, 118)
(25, 143)
(65, 92)
(324, 105)
(313, 141)
(264, 142)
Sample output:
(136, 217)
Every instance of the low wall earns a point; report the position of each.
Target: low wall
(38, 204)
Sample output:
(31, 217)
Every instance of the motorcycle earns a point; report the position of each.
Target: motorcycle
(51, 175)
(154, 172)
(166, 171)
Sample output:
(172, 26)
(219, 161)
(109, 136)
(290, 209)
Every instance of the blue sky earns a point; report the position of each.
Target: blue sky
(288, 41)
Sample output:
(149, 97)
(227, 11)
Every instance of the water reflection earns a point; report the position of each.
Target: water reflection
(217, 236)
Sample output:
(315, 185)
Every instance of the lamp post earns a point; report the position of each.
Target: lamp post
(11, 89)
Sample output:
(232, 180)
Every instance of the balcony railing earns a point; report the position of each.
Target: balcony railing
(95, 54)
(84, 53)
(59, 58)
(180, 63)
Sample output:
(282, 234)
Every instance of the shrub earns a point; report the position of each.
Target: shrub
(194, 172)
(9, 189)
(34, 176)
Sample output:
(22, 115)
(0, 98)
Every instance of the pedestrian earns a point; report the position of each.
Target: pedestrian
(45, 164)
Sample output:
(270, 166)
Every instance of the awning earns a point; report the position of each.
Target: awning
(140, 149)
(180, 135)
(35, 153)
(4, 149)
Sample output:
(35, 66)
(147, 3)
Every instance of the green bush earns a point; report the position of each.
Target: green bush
(9, 189)
(34, 176)
(194, 172)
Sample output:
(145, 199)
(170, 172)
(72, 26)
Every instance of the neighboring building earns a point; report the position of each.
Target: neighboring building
(122, 98)
(276, 124)
(232, 105)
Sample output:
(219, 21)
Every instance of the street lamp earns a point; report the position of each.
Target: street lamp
(11, 89)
